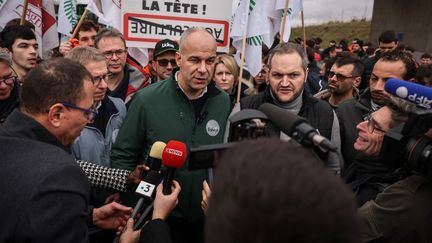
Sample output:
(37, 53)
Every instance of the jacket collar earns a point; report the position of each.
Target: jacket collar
(212, 90)
(19, 125)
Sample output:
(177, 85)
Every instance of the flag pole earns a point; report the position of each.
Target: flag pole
(24, 12)
(285, 13)
(304, 31)
(79, 23)
(242, 56)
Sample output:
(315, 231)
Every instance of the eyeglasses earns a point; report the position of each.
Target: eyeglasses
(89, 113)
(9, 80)
(118, 53)
(98, 79)
(339, 77)
(371, 124)
(164, 62)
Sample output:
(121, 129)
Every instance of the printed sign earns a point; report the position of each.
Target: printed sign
(146, 22)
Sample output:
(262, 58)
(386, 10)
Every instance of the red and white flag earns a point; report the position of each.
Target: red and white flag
(41, 14)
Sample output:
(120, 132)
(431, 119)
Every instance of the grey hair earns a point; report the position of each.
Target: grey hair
(108, 33)
(400, 109)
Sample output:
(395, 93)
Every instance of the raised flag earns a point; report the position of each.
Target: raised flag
(67, 16)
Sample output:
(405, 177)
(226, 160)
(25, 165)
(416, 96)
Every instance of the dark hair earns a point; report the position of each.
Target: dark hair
(290, 198)
(410, 48)
(387, 37)
(349, 58)
(53, 81)
(426, 55)
(371, 50)
(88, 25)
(11, 33)
(288, 48)
(424, 75)
(17, 22)
(398, 55)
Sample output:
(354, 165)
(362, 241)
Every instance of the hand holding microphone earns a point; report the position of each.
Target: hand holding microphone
(173, 157)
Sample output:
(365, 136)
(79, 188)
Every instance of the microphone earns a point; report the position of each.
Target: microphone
(145, 189)
(154, 158)
(173, 157)
(296, 127)
(415, 93)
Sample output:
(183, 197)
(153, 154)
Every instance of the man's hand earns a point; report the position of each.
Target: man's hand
(111, 216)
(206, 193)
(164, 204)
(65, 47)
(135, 176)
(129, 235)
(113, 198)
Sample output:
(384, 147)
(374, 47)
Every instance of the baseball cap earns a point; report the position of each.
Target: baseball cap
(164, 46)
(4, 56)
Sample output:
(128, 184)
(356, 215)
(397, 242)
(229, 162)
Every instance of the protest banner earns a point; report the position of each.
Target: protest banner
(146, 22)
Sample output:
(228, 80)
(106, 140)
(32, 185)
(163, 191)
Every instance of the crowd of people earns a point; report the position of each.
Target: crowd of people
(77, 128)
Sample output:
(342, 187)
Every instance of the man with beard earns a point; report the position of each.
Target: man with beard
(393, 64)
(287, 72)
(343, 79)
(21, 42)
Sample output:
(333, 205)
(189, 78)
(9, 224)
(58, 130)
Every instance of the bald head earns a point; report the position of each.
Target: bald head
(196, 35)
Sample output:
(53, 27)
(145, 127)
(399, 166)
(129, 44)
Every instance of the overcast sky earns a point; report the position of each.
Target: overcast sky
(319, 11)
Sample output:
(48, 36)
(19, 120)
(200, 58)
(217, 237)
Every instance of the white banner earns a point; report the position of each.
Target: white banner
(146, 22)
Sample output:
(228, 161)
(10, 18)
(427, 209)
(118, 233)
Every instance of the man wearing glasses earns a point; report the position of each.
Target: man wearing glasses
(124, 79)
(164, 59)
(9, 87)
(94, 143)
(351, 112)
(401, 211)
(45, 195)
(343, 80)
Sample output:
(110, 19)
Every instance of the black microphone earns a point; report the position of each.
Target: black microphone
(296, 127)
(146, 189)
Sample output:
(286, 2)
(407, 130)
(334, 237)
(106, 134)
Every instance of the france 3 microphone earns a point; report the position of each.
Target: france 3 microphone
(173, 157)
(296, 127)
(146, 189)
(416, 93)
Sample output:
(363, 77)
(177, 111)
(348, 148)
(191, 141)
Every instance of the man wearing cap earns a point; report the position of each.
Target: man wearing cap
(164, 59)
(9, 88)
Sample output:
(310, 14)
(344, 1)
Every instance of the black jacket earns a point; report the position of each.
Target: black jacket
(318, 113)
(44, 193)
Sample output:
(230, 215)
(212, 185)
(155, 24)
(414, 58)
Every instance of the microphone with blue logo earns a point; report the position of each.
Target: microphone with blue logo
(415, 93)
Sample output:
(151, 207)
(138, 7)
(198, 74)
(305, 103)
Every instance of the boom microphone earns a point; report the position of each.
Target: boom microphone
(173, 157)
(416, 93)
(296, 127)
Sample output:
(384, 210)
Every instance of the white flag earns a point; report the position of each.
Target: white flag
(41, 14)
(294, 7)
(111, 16)
(251, 16)
(67, 16)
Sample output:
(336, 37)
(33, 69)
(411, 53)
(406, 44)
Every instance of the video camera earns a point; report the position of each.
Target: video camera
(407, 146)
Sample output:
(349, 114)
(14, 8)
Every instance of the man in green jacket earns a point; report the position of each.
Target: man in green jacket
(186, 107)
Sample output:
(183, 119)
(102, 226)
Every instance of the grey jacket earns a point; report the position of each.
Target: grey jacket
(92, 146)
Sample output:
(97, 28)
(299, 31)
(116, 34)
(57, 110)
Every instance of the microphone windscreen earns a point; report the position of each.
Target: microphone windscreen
(283, 119)
(410, 91)
(157, 150)
(174, 154)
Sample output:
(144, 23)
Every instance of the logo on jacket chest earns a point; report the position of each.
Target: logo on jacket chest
(212, 128)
